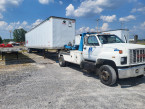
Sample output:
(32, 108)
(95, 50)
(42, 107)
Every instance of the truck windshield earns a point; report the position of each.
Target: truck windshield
(105, 39)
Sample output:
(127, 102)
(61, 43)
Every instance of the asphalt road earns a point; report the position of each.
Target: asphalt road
(45, 85)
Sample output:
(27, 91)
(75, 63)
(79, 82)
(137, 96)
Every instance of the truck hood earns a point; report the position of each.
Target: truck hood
(123, 46)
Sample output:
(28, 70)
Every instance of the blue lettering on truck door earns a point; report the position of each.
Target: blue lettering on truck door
(90, 52)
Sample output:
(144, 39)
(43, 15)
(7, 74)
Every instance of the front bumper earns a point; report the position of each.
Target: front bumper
(131, 72)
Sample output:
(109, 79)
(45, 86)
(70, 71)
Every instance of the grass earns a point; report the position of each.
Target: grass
(141, 43)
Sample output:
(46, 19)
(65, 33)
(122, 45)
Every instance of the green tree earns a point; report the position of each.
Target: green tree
(1, 41)
(19, 35)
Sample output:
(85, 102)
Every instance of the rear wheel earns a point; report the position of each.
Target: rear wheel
(107, 75)
(62, 63)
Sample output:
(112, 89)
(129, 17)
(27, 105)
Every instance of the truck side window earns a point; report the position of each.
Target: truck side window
(92, 40)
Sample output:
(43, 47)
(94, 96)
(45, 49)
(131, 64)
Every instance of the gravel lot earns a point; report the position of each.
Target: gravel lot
(42, 84)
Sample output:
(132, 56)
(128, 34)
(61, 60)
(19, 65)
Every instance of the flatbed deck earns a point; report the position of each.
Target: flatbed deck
(15, 50)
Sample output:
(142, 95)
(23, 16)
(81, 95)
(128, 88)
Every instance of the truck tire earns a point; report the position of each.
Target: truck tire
(107, 75)
(29, 50)
(62, 63)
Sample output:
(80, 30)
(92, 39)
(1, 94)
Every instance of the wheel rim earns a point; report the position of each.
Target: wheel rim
(105, 76)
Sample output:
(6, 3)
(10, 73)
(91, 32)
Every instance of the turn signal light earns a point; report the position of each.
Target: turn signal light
(120, 51)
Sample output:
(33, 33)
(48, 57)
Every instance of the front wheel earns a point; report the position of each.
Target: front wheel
(107, 75)
(62, 62)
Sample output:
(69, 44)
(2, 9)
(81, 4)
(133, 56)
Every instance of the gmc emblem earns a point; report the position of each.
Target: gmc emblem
(141, 56)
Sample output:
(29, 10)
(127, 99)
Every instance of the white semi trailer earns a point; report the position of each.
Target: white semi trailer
(121, 33)
(53, 33)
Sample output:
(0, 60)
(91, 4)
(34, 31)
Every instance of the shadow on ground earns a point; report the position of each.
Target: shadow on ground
(49, 55)
(124, 83)
(131, 82)
(11, 58)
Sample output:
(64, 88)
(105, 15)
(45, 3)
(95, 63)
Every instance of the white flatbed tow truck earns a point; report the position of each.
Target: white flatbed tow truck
(108, 55)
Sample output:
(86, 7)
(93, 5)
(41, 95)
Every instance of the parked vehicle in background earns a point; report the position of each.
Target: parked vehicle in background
(121, 33)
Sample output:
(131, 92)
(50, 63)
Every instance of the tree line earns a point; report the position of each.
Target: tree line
(18, 36)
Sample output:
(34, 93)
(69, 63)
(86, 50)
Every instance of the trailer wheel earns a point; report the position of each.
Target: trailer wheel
(140, 76)
(107, 75)
(29, 50)
(62, 63)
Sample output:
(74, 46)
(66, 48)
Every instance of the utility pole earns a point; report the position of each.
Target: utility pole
(98, 24)
(10, 33)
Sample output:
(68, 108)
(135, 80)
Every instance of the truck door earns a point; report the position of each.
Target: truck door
(91, 48)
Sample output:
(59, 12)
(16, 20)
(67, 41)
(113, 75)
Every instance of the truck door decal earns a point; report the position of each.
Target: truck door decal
(90, 51)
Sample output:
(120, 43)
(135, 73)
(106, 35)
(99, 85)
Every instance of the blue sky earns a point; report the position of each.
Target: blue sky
(26, 14)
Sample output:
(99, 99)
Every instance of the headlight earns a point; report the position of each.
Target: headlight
(123, 60)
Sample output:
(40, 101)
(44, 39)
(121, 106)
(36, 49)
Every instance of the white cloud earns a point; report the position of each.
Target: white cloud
(85, 29)
(139, 30)
(14, 25)
(37, 22)
(141, 9)
(92, 30)
(60, 2)
(3, 24)
(127, 18)
(82, 30)
(108, 18)
(105, 27)
(14, 2)
(6, 27)
(45, 1)
(93, 7)
(24, 23)
(143, 26)
(5, 3)
(8, 3)
(70, 10)
(9, 27)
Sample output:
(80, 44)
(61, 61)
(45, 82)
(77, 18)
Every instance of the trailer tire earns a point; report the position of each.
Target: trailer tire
(107, 75)
(140, 76)
(29, 50)
(62, 63)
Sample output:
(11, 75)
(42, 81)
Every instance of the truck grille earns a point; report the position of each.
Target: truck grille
(137, 56)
